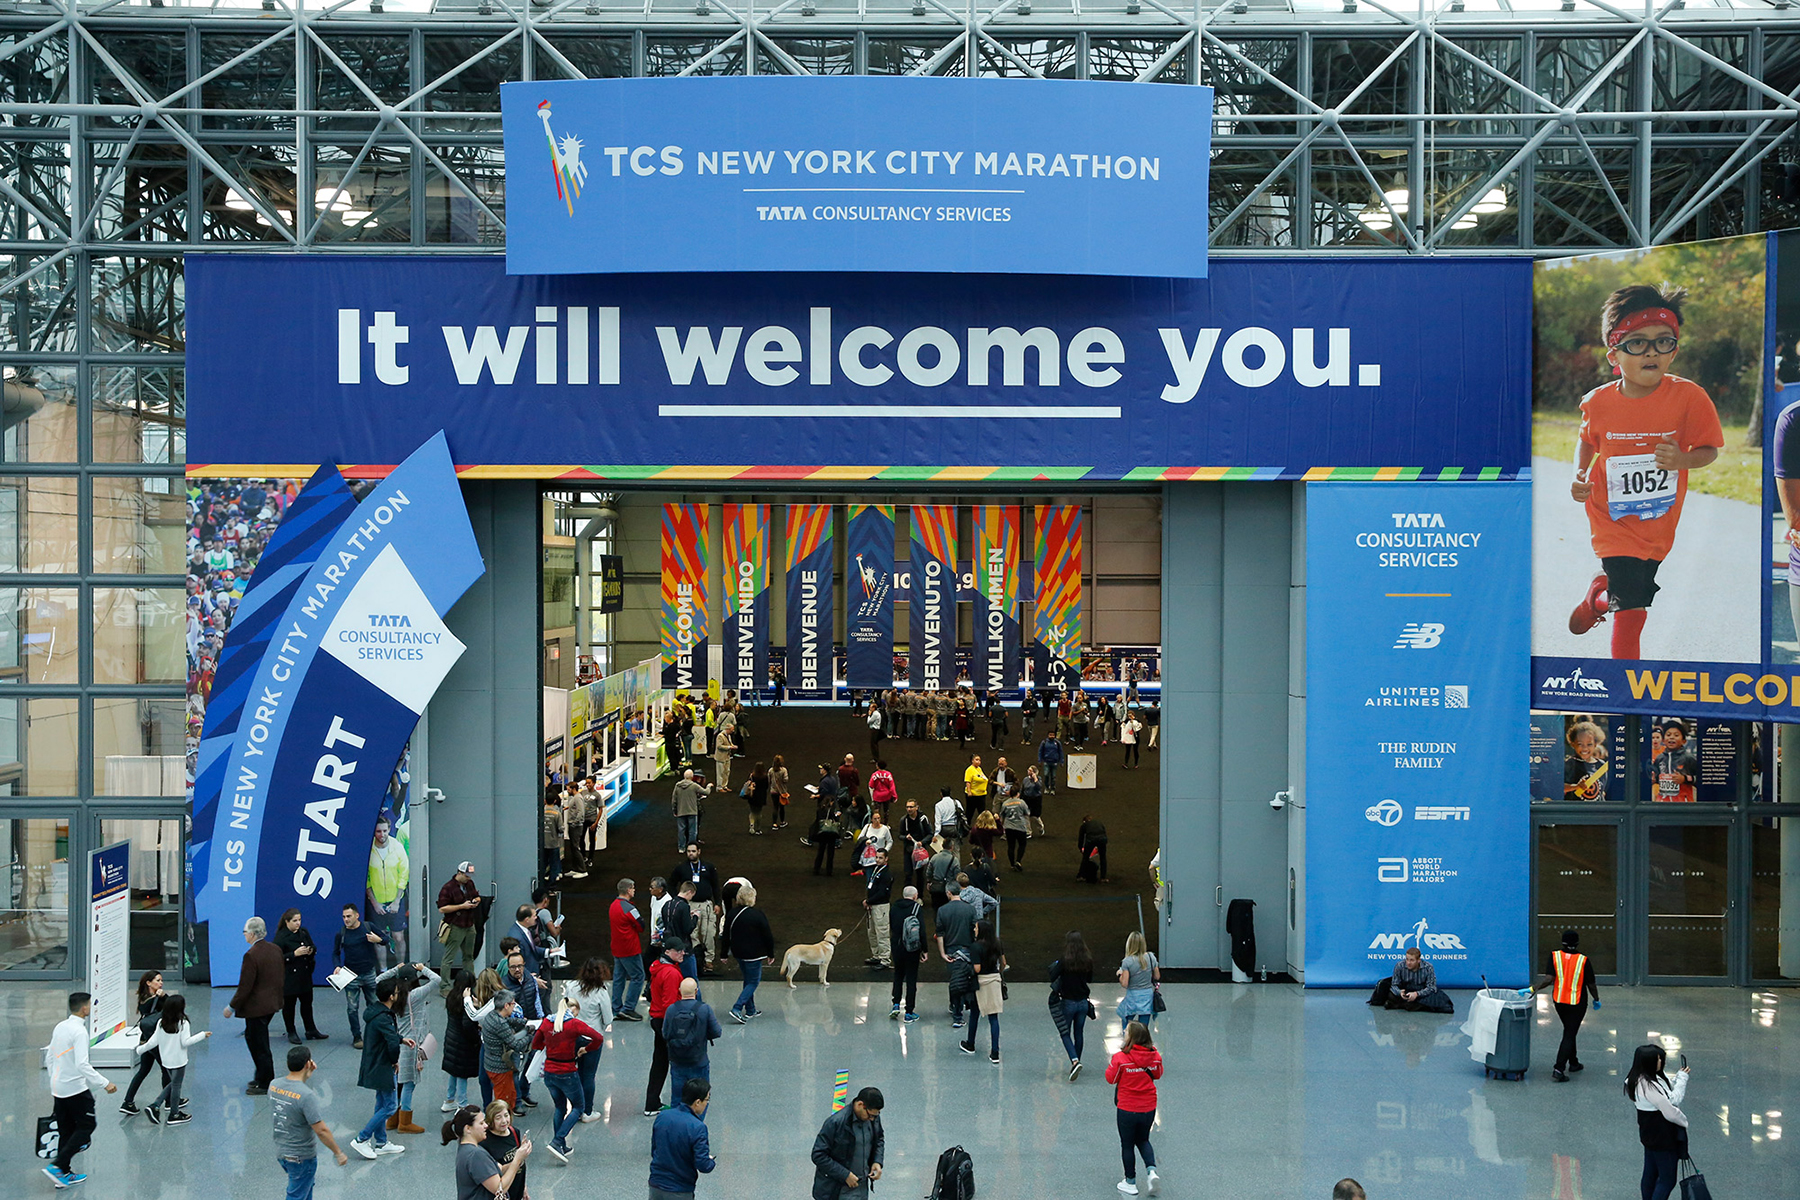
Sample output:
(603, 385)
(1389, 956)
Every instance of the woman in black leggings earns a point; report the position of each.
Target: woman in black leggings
(149, 1006)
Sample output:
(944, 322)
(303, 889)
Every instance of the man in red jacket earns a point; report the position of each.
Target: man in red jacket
(564, 1039)
(628, 953)
(665, 989)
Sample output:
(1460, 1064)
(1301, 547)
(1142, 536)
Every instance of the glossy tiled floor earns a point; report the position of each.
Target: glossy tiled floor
(1270, 1091)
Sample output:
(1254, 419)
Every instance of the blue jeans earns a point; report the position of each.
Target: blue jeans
(679, 1075)
(387, 1103)
(565, 1088)
(300, 1177)
(458, 1092)
(687, 832)
(403, 1096)
(586, 1066)
(746, 1001)
(1076, 1011)
(359, 993)
(628, 981)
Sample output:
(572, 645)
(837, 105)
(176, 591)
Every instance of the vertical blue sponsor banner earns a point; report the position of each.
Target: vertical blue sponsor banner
(869, 596)
(1418, 761)
(341, 683)
(931, 613)
(810, 609)
(745, 543)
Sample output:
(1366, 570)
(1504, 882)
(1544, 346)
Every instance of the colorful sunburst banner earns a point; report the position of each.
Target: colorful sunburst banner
(996, 665)
(931, 617)
(1056, 623)
(809, 601)
(869, 596)
(685, 615)
(746, 628)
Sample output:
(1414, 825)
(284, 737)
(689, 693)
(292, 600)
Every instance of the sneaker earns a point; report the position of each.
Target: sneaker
(527, 1104)
(1593, 607)
(183, 1105)
(651, 1112)
(894, 1013)
(754, 1013)
(994, 1058)
(873, 962)
(911, 1017)
(180, 1118)
(153, 1114)
(1128, 1186)
(966, 1047)
(575, 874)
(805, 842)
(71, 1178)
(390, 1148)
(1074, 1070)
(1153, 1181)
(256, 1089)
(128, 1109)
(738, 1016)
(559, 1153)
(957, 1024)
(57, 1177)
(366, 1149)
(1559, 1076)
(589, 1118)
(356, 1045)
(630, 1014)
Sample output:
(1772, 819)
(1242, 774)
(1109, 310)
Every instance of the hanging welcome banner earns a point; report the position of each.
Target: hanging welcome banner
(809, 601)
(869, 599)
(1056, 620)
(684, 609)
(746, 596)
(342, 680)
(996, 665)
(931, 619)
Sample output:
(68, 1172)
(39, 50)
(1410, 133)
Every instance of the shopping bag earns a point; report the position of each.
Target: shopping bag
(46, 1138)
(1693, 1184)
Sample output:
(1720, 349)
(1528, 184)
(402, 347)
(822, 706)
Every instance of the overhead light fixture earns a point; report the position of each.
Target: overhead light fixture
(1376, 219)
(236, 201)
(332, 198)
(1396, 198)
(1023, 8)
(1349, 6)
(1467, 222)
(807, 10)
(375, 6)
(1133, 8)
(1456, 5)
(1493, 202)
(702, 9)
(1568, 5)
(356, 216)
(268, 6)
(484, 9)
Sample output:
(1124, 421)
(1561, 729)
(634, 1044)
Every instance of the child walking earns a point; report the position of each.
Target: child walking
(170, 1043)
(1640, 436)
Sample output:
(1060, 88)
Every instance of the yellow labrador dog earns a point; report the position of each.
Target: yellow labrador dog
(816, 954)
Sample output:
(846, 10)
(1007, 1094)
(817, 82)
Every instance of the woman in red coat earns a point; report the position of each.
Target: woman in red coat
(1135, 1070)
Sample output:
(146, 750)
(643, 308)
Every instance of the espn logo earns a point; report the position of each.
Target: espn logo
(1440, 812)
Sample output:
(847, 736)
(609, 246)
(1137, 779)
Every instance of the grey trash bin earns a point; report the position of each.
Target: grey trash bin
(1512, 1040)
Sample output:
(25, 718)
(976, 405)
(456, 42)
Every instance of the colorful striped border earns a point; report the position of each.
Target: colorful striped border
(856, 474)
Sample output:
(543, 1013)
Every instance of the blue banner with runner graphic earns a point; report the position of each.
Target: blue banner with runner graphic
(1417, 763)
(343, 678)
(869, 596)
(791, 172)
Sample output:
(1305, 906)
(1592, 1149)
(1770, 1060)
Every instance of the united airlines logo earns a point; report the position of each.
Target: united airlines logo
(565, 161)
(1420, 636)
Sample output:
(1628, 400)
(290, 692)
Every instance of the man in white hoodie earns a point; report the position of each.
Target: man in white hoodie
(71, 1079)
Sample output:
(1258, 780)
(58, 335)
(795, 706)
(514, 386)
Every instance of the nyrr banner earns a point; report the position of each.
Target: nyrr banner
(869, 596)
(1418, 827)
(341, 683)
(854, 173)
(809, 601)
(746, 596)
(997, 597)
(931, 615)
(1056, 590)
(685, 614)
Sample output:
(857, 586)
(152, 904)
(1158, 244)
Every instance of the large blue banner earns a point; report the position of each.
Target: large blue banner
(931, 608)
(1417, 772)
(1275, 366)
(869, 596)
(342, 681)
(811, 611)
(857, 173)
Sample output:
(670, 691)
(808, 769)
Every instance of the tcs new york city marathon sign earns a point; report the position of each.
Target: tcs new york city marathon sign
(795, 173)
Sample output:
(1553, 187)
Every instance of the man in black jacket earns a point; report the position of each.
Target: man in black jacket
(877, 891)
(380, 1057)
(752, 943)
(915, 832)
(679, 922)
(906, 961)
(847, 1153)
(708, 903)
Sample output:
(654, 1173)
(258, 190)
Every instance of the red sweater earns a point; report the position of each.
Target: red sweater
(627, 930)
(562, 1047)
(665, 987)
(1136, 1070)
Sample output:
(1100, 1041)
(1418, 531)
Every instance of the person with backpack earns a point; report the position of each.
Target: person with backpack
(906, 926)
(941, 870)
(849, 1150)
(1133, 1072)
(752, 943)
(150, 998)
(951, 822)
(665, 990)
(689, 1027)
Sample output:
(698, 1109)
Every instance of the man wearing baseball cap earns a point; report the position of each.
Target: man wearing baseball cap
(459, 900)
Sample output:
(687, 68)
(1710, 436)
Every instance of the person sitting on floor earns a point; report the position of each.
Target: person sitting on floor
(1412, 987)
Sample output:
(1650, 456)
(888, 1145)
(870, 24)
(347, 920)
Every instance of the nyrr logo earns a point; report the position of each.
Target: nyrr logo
(565, 161)
(1440, 942)
(1388, 812)
(1420, 636)
(1576, 682)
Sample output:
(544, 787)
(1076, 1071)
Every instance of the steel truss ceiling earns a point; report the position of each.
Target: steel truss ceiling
(133, 133)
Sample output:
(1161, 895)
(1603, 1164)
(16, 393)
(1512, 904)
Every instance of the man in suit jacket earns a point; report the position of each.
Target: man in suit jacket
(257, 999)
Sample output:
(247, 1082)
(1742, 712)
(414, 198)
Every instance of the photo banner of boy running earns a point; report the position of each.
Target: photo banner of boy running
(684, 609)
(746, 597)
(1417, 779)
(931, 614)
(809, 601)
(869, 596)
(1656, 416)
(996, 660)
(1056, 592)
(342, 681)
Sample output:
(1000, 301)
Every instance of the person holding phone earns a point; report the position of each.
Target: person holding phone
(1662, 1126)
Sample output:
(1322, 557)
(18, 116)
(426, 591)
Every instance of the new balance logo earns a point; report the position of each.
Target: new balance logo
(1420, 636)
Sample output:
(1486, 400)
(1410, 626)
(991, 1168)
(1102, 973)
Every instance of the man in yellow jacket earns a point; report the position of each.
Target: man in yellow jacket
(389, 871)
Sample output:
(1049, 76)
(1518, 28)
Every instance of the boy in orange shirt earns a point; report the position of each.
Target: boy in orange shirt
(1640, 436)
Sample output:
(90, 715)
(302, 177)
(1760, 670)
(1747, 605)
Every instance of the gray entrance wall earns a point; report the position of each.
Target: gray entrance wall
(484, 720)
(1227, 578)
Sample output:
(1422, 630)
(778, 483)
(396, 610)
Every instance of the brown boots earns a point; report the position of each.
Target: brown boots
(402, 1122)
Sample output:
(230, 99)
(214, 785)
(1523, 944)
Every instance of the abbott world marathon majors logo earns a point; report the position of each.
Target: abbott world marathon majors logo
(388, 633)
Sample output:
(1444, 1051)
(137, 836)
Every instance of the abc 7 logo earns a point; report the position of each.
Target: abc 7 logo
(1388, 812)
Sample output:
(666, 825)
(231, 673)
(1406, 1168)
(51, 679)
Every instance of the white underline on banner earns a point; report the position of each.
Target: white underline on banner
(1066, 413)
(908, 191)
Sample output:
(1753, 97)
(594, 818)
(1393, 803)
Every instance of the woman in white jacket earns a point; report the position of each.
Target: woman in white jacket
(170, 1042)
(1662, 1126)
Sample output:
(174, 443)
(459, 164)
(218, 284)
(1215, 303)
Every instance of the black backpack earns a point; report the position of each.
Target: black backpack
(685, 1036)
(955, 1178)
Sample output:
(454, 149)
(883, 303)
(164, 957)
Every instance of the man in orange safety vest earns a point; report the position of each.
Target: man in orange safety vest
(1570, 979)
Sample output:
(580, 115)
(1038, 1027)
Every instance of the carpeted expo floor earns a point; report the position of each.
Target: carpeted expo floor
(1038, 906)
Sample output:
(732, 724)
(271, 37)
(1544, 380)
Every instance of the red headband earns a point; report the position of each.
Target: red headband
(1641, 318)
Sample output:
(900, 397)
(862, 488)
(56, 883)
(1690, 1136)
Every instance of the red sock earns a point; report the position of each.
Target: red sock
(1627, 626)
